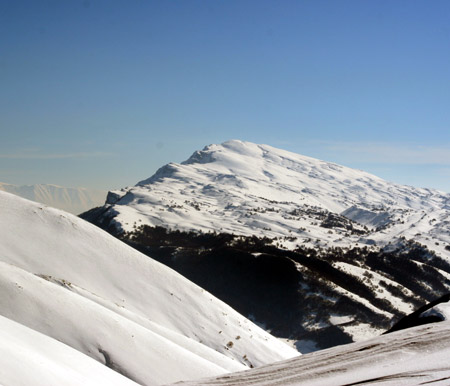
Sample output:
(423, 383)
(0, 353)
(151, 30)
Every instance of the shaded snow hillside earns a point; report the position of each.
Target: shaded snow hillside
(73, 200)
(312, 251)
(416, 356)
(77, 286)
(248, 189)
(30, 358)
(435, 311)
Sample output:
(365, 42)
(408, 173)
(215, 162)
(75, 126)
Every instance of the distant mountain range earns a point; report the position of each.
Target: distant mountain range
(72, 200)
(315, 252)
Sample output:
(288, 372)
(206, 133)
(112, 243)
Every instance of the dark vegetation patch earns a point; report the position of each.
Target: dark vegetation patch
(333, 220)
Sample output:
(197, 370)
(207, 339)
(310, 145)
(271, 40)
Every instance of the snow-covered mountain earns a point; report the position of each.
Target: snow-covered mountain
(71, 295)
(254, 224)
(72, 200)
(416, 356)
(248, 189)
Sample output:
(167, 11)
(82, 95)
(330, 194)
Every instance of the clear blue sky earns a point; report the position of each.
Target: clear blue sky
(102, 93)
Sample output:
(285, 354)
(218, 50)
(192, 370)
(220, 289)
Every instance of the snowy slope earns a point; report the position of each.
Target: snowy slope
(416, 356)
(72, 200)
(73, 282)
(30, 358)
(248, 189)
(440, 311)
(435, 311)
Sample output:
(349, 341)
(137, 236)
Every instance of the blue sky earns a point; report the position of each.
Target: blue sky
(102, 93)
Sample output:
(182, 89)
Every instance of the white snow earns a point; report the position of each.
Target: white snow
(416, 356)
(30, 358)
(73, 282)
(337, 320)
(441, 310)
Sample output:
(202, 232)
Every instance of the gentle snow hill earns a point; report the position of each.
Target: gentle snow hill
(416, 356)
(72, 200)
(73, 282)
(249, 189)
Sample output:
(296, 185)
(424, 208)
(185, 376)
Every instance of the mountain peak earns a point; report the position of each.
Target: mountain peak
(239, 148)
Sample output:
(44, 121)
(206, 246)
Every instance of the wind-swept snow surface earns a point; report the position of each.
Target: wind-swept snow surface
(416, 356)
(73, 282)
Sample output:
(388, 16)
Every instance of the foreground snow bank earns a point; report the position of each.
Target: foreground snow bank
(30, 358)
(69, 280)
(415, 356)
